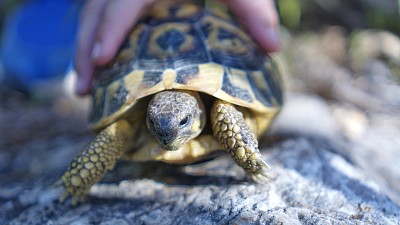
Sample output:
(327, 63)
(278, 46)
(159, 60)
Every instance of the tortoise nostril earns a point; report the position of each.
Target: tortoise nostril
(164, 135)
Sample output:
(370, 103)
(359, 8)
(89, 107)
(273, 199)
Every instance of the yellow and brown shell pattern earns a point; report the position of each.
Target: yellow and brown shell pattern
(183, 46)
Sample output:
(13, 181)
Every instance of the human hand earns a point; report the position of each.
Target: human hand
(105, 23)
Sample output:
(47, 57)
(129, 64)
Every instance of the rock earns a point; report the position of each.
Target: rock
(376, 151)
(312, 182)
(370, 44)
(360, 94)
(369, 140)
(312, 185)
(307, 115)
(362, 72)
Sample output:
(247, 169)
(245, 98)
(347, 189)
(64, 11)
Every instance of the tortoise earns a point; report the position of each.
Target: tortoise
(185, 83)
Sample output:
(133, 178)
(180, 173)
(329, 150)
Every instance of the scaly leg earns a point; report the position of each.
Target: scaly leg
(90, 165)
(231, 130)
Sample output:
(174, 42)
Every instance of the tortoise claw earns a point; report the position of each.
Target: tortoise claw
(57, 184)
(263, 165)
(75, 199)
(78, 199)
(262, 174)
(259, 179)
(63, 196)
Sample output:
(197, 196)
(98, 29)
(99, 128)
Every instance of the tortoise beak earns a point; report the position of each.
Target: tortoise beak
(173, 145)
(169, 147)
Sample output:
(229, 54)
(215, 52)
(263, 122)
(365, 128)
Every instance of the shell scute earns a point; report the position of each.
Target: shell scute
(186, 47)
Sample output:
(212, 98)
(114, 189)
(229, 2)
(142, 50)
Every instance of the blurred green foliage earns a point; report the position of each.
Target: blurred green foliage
(290, 12)
(212, 4)
(300, 15)
(382, 19)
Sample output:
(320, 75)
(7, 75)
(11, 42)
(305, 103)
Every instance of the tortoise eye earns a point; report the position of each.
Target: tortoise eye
(185, 121)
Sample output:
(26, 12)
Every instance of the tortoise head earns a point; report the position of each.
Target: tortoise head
(175, 117)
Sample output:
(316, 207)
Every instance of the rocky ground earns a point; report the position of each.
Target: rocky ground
(334, 151)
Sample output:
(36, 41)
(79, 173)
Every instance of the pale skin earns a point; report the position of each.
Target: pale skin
(105, 23)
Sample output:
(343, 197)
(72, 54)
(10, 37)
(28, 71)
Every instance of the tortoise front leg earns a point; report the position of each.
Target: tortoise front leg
(90, 165)
(231, 130)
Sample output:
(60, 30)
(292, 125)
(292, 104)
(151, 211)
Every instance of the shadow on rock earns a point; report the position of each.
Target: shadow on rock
(168, 174)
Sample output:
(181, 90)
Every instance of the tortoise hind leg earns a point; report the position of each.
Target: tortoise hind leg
(90, 165)
(231, 130)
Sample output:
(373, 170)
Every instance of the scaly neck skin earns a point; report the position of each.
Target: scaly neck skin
(175, 117)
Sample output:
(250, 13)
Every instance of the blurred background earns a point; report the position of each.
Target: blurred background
(340, 64)
(37, 41)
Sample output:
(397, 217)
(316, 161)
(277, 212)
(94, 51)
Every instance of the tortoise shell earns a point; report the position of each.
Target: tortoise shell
(183, 46)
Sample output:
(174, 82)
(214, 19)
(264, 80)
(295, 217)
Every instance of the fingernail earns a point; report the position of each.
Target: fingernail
(272, 33)
(96, 51)
(271, 36)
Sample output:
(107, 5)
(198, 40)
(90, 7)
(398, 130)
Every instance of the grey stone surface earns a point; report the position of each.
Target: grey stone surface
(356, 79)
(312, 184)
(334, 160)
(320, 174)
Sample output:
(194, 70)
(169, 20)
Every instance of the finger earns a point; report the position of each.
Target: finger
(118, 19)
(261, 19)
(90, 16)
